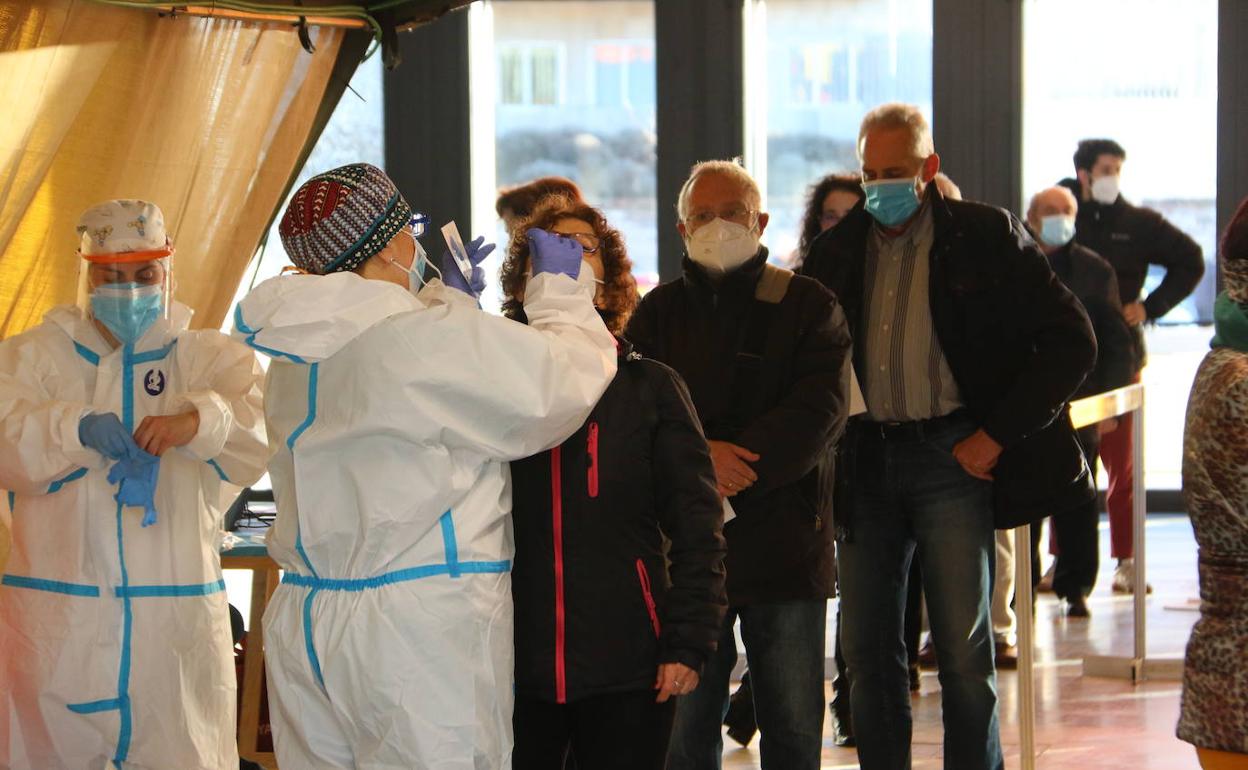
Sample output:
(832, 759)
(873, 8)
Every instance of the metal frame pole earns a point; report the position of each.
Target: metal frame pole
(1023, 609)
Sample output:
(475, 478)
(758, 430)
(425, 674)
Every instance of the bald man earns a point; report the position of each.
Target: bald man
(1051, 218)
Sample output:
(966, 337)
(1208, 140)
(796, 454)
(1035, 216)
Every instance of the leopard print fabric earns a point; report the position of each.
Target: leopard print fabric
(1214, 712)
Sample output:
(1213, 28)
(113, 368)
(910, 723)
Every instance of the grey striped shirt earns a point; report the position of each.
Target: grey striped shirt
(907, 376)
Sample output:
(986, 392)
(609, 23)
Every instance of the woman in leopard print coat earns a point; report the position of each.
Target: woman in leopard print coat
(1215, 486)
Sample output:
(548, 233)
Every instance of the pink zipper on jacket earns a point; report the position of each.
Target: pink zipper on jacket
(591, 443)
(644, 578)
(556, 508)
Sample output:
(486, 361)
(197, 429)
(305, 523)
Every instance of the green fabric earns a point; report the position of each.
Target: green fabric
(1230, 324)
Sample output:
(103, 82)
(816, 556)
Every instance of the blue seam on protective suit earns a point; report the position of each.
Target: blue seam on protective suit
(87, 353)
(95, 706)
(449, 544)
(398, 576)
(251, 338)
(195, 589)
(127, 628)
(313, 659)
(51, 586)
(152, 355)
(55, 486)
(220, 472)
(313, 375)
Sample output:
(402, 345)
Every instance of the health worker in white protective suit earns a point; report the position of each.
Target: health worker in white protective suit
(118, 428)
(394, 405)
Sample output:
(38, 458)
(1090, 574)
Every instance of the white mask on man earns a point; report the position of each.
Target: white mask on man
(1105, 189)
(721, 246)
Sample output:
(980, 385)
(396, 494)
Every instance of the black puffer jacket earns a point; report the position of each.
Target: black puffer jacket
(1130, 238)
(1018, 343)
(598, 521)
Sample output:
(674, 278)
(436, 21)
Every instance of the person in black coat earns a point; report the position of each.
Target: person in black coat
(1051, 219)
(619, 571)
(967, 348)
(766, 357)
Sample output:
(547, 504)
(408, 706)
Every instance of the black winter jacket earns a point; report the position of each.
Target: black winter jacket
(1018, 343)
(1092, 280)
(598, 520)
(773, 378)
(1130, 238)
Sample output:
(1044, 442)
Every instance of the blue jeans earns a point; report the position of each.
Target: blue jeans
(910, 496)
(784, 650)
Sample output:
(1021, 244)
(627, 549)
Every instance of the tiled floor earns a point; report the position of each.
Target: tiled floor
(1081, 722)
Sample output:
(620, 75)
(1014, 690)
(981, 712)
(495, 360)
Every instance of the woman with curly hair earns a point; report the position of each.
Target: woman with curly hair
(610, 625)
(829, 200)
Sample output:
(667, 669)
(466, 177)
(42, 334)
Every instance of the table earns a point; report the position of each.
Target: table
(252, 555)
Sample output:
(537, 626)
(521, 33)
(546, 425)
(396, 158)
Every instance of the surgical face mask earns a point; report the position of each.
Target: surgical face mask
(1056, 230)
(415, 273)
(1105, 189)
(721, 246)
(128, 310)
(891, 201)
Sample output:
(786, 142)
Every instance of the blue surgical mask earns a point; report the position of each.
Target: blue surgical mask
(1056, 230)
(415, 273)
(128, 310)
(891, 201)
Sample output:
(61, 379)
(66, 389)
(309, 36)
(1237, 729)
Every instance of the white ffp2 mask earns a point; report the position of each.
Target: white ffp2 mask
(721, 246)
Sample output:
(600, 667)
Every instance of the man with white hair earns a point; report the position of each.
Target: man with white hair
(967, 348)
(1051, 218)
(766, 357)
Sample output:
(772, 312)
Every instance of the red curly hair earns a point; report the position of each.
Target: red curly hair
(619, 287)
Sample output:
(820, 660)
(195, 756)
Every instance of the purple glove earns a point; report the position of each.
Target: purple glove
(452, 276)
(137, 473)
(552, 253)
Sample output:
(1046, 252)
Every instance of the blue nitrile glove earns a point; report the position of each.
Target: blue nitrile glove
(552, 253)
(103, 432)
(137, 473)
(452, 276)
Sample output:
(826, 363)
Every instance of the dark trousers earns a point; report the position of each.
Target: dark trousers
(1078, 540)
(625, 730)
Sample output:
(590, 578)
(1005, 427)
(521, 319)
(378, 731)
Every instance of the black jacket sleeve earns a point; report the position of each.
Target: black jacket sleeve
(797, 433)
(1115, 357)
(1173, 249)
(1054, 328)
(691, 516)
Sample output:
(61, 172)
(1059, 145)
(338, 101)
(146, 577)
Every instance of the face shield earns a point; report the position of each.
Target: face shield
(127, 293)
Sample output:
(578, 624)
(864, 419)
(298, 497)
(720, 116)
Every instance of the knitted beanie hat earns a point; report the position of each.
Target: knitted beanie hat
(340, 218)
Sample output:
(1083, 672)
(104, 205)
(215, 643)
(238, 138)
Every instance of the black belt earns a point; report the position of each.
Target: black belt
(912, 430)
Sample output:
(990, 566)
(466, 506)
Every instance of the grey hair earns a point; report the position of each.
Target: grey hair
(899, 115)
(727, 168)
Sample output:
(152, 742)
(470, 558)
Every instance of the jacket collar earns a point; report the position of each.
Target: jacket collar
(739, 281)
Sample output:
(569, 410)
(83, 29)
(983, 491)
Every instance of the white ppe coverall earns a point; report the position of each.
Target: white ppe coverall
(393, 417)
(115, 647)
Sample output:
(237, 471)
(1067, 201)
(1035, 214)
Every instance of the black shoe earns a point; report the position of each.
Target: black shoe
(914, 677)
(1077, 607)
(842, 730)
(740, 719)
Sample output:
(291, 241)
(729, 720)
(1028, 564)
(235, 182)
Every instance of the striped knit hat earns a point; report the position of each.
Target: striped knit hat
(340, 218)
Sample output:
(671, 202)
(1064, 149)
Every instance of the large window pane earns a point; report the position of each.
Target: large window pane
(828, 62)
(1151, 85)
(575, 97)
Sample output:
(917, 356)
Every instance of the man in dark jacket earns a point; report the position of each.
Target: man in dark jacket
(1051, 219)
(1130, 238)
(766, 357)
(967, 348)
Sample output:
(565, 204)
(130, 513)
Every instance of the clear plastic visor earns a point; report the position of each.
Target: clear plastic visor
(126, 288)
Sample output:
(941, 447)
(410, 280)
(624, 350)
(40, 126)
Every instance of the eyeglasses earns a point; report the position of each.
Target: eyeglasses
(418, 224)
(738, 214)
(589, 243)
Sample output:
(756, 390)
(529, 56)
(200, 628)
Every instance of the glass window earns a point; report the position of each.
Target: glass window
(575, 97)
(1144, 73)
(827, 63)
(353, 134)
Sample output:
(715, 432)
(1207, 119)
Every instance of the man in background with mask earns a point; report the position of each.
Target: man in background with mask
(766, 357)
(1051, 219)
(967, 348)
(1130, 238)
(118, 430)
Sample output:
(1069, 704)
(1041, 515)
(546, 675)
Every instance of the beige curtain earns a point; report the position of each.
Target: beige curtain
(205, 117)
